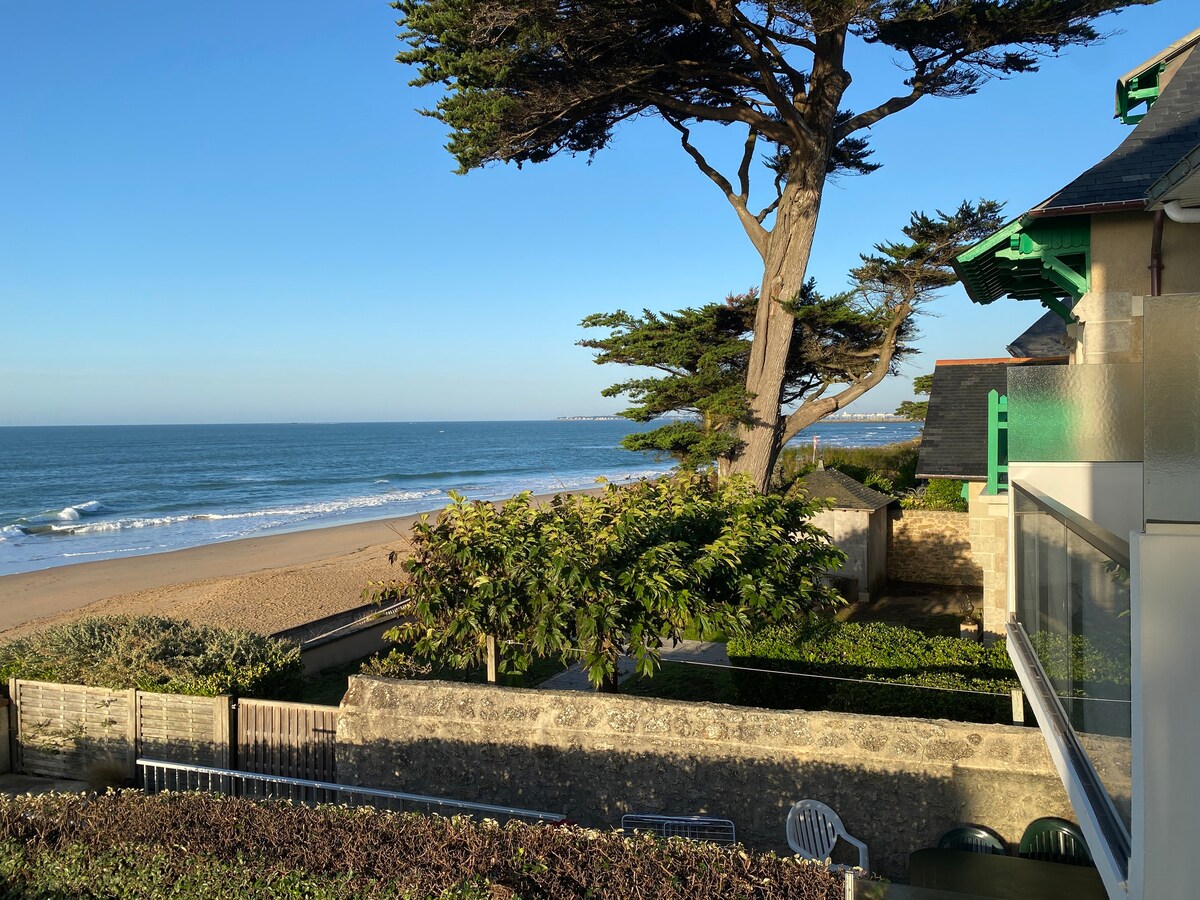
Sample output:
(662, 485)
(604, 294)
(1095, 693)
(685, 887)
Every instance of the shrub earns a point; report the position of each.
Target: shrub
(131, 845)
(874, 651)
(592, 577)
(890, 468)
(938, 494)
(153, 653)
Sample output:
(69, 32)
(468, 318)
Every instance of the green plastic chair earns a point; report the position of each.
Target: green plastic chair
(973, 839)
(1055, 840)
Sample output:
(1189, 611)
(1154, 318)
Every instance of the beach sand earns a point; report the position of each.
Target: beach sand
(265, 583)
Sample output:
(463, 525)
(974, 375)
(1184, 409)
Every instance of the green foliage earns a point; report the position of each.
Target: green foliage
(523, 81)
(1097, 665)
(593, 577)
(939, 494)
(153, 653)
(700, 357)
(890, 469)
(527, 80)
(874, 651)
(916, 410)
(128, 845)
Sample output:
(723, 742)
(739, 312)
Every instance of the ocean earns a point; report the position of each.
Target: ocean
(71, 494)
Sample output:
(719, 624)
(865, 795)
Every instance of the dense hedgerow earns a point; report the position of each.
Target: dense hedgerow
(874, 651)
(192, 845)
(891, 468)
(153, 653)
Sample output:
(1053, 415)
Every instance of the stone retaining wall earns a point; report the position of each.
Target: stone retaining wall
(931, 547)
(897, 783)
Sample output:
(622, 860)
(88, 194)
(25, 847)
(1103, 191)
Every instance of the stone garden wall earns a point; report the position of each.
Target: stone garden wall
(931, 547)
(897, 783)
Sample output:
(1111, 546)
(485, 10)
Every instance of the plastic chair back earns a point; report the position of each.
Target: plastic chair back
(813, 829)
(973, 839)
(1055, 840)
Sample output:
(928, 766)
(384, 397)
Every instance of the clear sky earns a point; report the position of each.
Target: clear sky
(232, 212)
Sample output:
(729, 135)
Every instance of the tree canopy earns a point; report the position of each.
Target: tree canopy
(593, 578)
(846, 342)
(526, 80)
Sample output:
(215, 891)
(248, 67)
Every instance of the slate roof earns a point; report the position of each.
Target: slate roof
(1169, 130)
(844, 491)
(954, 441)
(1044, 339)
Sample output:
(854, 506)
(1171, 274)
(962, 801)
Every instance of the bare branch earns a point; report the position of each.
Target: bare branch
(813, 410)
(754, 230)
(745, 113)
(744, 168)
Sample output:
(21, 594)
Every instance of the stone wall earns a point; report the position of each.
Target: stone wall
(898, 784)
(931, 547)
(989, 544)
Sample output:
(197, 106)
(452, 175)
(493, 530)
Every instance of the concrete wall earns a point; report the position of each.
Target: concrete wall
(1110, 494)
(897, 783)
(931, 548)
(1181, 262)
(1121, 252)
(862, 536)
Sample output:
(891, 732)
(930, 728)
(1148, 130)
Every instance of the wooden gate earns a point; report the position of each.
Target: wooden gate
(295, 740)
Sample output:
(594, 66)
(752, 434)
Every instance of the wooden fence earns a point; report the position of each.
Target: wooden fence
(295, 740)
(69, 731)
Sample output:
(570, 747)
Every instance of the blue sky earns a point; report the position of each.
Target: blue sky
(231, 212)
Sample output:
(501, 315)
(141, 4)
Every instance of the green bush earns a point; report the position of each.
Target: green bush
(874, 651)
(589, 578)
(890, 468)
(153, 653)
(129, 845)
(938, 494)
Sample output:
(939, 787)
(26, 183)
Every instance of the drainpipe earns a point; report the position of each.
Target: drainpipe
(1156, 265)
(1177, 212)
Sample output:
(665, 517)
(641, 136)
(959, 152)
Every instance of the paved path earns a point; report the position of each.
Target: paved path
(575, 679)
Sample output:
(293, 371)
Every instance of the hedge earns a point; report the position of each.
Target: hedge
(194, 845)
(874, 651)
(154, 653)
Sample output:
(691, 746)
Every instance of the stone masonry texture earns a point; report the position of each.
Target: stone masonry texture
(897, 783)
(931, 547)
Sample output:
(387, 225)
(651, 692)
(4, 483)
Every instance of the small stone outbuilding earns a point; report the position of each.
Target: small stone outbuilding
(858, 523)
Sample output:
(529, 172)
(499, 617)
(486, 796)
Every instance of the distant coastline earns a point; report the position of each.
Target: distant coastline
(591, 419)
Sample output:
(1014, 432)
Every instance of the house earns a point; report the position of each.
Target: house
(1092, 548)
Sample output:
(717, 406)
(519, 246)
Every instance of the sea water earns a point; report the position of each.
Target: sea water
(74, 494)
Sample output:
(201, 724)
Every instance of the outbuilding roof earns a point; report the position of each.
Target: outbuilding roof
(843, 491)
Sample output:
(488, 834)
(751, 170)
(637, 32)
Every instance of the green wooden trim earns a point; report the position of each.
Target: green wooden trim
(1047, 259)
(1141, 88)
(997, 450)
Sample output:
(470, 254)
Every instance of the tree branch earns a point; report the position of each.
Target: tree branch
(754, 230)
(813, 410)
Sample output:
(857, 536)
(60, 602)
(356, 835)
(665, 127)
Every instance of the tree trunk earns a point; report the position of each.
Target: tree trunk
(788, 249)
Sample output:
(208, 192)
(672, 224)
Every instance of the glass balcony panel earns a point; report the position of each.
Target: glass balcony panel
(1072, 597)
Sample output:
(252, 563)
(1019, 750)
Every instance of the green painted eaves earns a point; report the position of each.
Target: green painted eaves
(1044, 259)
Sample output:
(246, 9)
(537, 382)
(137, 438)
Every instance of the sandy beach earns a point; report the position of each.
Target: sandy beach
(265, 583)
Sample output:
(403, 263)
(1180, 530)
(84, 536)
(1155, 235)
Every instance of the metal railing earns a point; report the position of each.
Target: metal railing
(159, 775)
(695, 828)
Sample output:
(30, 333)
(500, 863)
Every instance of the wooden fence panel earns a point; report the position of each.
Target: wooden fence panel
(71, 732)
(184, 729)
(295, 740)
